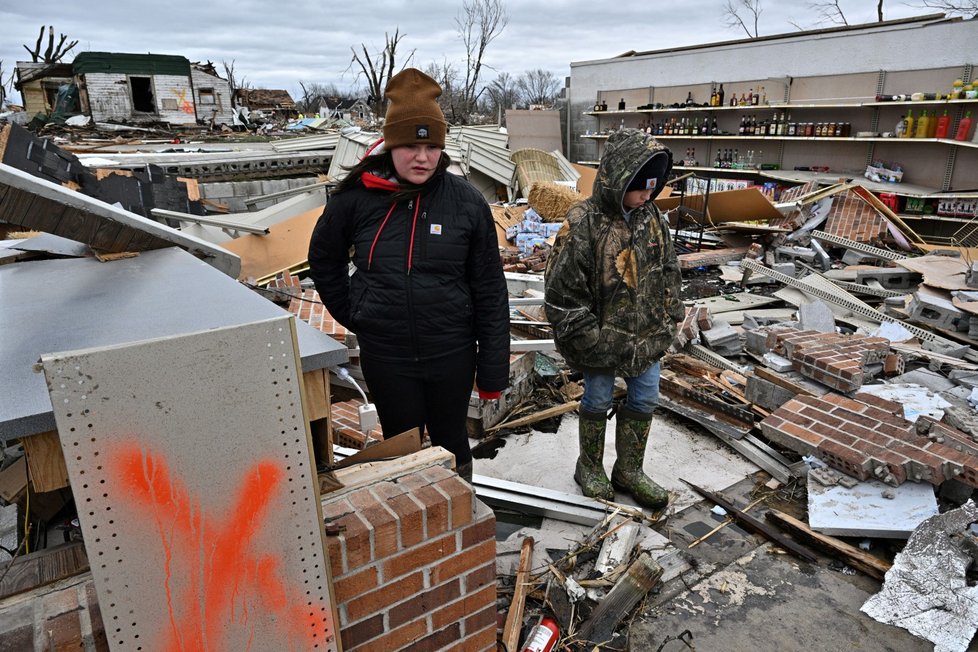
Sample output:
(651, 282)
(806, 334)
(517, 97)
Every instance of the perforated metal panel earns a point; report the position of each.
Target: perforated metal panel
(190, 463)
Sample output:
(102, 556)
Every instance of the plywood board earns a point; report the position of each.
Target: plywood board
(191, 466)
(746, 205)
(46, 462)
(285, 246)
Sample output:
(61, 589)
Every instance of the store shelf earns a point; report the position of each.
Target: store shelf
(877, 139)
(780, 106)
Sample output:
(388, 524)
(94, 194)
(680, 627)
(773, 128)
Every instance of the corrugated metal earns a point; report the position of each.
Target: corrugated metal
(131, 64)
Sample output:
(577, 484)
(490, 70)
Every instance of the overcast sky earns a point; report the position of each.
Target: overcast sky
(278, 44)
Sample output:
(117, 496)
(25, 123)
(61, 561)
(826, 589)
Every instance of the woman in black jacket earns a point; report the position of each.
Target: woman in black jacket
(427, 298)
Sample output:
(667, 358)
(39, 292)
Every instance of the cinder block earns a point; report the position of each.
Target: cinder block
(891, 278)
(935, 311)
(766, 394)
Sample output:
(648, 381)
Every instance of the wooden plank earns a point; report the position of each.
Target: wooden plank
(514, 617)
(45, 461)
(780, 381)
(13, 480)
(852, 555)
(316, 384)
(4, 137)
(351, 478)
(537, 416)
(285, 246)
(43, 567)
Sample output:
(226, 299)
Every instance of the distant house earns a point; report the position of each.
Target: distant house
(132, 88)
(275, 102)
(353, 110)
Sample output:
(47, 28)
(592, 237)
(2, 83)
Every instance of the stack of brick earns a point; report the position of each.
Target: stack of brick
(851, 217)
(414, 566)
(698, 318)
(867, 438)
(835, 360)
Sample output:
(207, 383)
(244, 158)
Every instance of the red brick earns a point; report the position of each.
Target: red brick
(63, 632)
(902, 432)
(389, 594)
(484, 641)
(480, 577)
(459, 494)
(481, 620)
(360, 633)
(357, 583)
(382, 521)
(843, 402)
(394, 640)
(419, 556)
(419, 605)
(438, 640)
(482, 530)
(464, 561)
(356, 541)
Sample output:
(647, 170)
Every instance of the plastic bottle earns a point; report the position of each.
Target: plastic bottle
(943, 126)
(910, 125)
(923, 123)
(963, 127)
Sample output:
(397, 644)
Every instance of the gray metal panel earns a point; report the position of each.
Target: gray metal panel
(197, 493)
(64, 305)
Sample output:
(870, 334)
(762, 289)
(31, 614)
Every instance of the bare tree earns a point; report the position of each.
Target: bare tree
(538, 86)
(316, 94)
(479, 22)
(751, 10)
(951, 7)
(379, 68)
(53, 53)
(6, 83)
(829, 12)
(504, 93)
(233, 81)
(450, 100)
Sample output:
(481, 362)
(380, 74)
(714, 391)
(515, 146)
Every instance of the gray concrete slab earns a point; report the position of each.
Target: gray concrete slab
(863, 511)
(677, 449)
(70, 304)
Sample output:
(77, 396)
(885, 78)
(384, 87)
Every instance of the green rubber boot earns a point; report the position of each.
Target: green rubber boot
(631, 436)
(590, 473)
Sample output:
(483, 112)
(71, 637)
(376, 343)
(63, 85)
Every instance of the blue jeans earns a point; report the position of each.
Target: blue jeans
(642, 397)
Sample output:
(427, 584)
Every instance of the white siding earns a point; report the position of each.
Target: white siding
(174, 90)
(109, 99)
(108, 96)
(222, 96)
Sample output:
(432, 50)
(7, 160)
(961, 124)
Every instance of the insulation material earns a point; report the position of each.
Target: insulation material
(926, 591)
(552, 201)
(196, 491)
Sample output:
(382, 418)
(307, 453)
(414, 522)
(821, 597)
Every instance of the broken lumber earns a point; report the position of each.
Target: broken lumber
(638, 580)
(537, 416)
(514, 618)
(872, 566)
(754, 525)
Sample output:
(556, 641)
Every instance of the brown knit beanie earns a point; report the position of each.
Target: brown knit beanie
(413, 115)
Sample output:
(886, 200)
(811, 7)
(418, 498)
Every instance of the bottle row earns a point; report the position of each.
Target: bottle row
(779, 125)
(932, 126)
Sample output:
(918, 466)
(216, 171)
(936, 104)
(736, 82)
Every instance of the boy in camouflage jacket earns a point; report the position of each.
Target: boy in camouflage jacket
(612, 295)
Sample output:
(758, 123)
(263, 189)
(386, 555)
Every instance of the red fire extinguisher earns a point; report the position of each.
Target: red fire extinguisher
(543, 637)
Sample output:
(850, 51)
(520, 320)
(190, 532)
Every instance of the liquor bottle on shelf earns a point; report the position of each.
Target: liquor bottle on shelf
(755, 97)
(714, 129)
(733, 100)
(604, 105)
(718, 162)
(692, 157)
(689, 98)
(720, 95)
(743, 101)
(621, 104)
(909, 125)
(763, 96)
(743, 126)
(597, 105)
(705, 127)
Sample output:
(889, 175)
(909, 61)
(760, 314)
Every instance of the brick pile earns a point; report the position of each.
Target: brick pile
(851, 217)
(867, 438)
(307, 306)
(698, 318)
(835, 360)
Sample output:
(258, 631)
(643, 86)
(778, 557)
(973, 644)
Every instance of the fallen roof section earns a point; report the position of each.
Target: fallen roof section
(40, 205)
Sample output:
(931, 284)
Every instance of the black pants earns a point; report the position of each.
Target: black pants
(432, 394)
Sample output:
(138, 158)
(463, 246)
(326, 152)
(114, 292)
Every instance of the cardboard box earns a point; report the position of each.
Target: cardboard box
(747, 205)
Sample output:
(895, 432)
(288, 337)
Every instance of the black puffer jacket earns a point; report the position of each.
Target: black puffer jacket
(428, 279)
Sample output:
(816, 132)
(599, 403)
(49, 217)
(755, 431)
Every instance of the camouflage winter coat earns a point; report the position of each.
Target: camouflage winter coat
(612, 284)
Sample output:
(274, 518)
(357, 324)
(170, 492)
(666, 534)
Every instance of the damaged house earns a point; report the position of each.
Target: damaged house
(129, 88)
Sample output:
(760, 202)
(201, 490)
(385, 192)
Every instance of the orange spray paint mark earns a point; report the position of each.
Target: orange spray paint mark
(225, 580)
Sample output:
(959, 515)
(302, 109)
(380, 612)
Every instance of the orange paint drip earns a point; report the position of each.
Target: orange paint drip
(214, 560)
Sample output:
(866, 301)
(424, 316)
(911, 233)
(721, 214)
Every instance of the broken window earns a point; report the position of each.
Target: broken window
(207, 96)
(141, 89)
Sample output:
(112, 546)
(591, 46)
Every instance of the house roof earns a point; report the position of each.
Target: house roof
(257, 98)
(132, 64)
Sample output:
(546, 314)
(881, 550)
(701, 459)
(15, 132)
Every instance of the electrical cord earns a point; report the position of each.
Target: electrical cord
(344, 374)
(281, 292)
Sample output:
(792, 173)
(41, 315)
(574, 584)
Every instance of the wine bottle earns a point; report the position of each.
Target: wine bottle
(720, 96)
